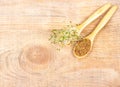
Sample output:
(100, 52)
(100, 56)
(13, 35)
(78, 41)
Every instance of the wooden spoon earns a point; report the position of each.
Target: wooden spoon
(83, 46)
(94, 16)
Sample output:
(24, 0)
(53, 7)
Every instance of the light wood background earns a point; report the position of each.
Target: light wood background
(27, 59)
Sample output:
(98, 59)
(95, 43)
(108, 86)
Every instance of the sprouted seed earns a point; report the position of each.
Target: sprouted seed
(65, 36)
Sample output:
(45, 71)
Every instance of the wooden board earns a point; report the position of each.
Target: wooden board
(27, 59)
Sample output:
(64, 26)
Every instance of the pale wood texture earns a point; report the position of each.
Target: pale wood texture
(27, 59)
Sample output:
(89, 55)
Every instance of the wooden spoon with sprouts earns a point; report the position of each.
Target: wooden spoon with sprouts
(70, 34)
(82, 47)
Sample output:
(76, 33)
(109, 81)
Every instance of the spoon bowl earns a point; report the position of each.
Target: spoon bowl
(82, 47)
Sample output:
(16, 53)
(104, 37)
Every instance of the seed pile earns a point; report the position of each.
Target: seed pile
(66, 35)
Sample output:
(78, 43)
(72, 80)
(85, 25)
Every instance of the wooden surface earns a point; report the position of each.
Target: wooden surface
(27, 59)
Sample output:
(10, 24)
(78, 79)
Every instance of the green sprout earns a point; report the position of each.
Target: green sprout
(65, 36)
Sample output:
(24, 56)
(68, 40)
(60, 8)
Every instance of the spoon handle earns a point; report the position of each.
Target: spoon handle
(103, 22)
(94, 16)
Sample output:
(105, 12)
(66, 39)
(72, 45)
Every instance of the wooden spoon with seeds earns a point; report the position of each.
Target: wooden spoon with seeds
(83, 46)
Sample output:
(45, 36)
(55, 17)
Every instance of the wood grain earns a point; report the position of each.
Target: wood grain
(27, 59)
